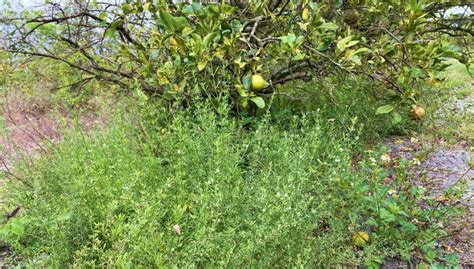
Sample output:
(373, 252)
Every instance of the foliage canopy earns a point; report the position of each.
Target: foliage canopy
(177, 50)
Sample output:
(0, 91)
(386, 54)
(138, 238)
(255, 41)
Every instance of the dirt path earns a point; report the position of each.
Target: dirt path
(444, 163)
(443, 167)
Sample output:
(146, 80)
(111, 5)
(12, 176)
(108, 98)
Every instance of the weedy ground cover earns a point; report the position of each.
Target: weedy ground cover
(205, 189)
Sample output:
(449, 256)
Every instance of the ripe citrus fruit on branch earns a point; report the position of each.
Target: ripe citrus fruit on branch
(258, 83)
(360, 238)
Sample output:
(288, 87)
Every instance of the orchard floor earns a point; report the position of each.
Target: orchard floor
(443, 166)
(443, 159)
(445, 156)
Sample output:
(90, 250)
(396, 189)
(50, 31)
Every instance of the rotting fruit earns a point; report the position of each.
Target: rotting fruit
(418, 112)
(360, 238)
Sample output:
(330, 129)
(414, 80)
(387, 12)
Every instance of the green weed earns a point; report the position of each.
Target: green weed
(464, 92)
(449, 110)
(201, 191)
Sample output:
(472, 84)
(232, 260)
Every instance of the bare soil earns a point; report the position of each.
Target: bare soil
(32, 126)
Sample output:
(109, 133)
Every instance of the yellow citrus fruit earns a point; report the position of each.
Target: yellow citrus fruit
(418, 112)
(258, 83)
(173, 43)
(360, 238)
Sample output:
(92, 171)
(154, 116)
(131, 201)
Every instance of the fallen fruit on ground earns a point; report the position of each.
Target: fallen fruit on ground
(360, 238)
(418, 112)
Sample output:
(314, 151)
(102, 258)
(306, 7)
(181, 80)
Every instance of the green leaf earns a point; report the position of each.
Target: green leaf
(186, 31)
(314, 6)
(361, 50)
(5, 230)
(339, 3)
(241, 90)
(209, 39)
(324, 45)
(180, 23)
(195, 8)
(387, 216)
(422, 266)
(290, 38)
(112, 28)
(17, 228)
(103, 15)
(384, 109)
(146, 6)
(352, 43)
(356, 59)
(303, 26)
(328, 26)
(126, 7)
(115, 24)
(247, 82)
(346, 42)
(258, 101)
(341, 45)
(396, 118)
(297, 57)
(213, 9)
(244, 102)
(202, 64)
(166, 20)
(236, 25)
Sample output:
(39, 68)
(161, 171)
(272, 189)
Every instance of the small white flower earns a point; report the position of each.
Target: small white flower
(416, 161)
(385, 158)
(392, 192)
(177, 229)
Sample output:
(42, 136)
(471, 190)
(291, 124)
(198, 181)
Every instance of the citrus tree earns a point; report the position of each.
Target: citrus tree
(246, 50)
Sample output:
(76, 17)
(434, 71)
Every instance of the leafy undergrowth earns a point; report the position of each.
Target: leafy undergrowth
(450, 106)
(202, 191)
